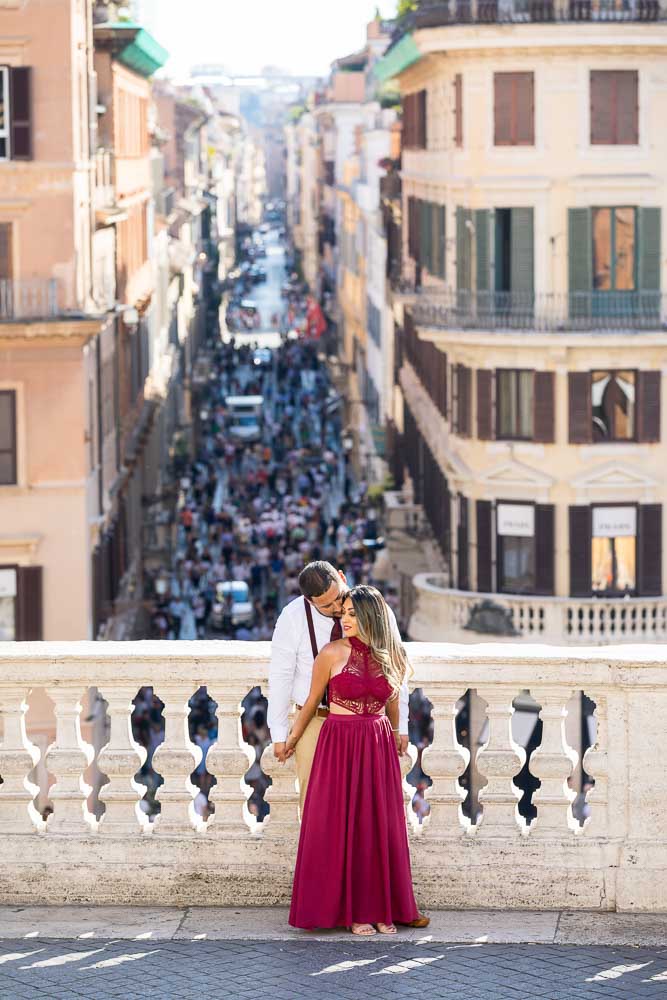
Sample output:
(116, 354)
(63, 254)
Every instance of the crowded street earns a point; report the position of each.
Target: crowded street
(271, 488)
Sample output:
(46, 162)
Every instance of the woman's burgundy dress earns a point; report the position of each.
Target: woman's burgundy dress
(353, 864)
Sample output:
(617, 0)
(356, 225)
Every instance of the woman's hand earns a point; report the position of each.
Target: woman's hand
(399, 744)
(290, 746)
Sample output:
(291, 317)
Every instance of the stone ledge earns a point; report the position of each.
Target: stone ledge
(138, 923)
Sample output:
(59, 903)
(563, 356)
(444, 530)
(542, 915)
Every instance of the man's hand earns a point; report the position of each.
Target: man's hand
(403, 745)
(279, 752)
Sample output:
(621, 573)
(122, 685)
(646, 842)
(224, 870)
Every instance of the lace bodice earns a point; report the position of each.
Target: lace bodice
(361, 687)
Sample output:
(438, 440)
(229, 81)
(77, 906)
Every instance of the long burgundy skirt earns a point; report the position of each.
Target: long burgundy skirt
(353, 864)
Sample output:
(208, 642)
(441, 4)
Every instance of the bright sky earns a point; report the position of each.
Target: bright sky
(302, 36)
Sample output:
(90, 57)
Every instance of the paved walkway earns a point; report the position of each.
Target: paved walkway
(105, 952)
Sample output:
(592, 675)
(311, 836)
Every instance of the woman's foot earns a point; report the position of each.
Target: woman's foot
(363, 930)
(386, 928)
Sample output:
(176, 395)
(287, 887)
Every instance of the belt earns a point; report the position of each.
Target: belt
(321, 713)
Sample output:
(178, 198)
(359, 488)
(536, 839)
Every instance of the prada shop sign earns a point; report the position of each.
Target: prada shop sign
(614, 522)
(516, 519)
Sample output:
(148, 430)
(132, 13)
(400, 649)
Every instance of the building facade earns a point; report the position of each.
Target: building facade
(531, 335)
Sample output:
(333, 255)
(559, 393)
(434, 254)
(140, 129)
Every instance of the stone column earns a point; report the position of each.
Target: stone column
(17, 757)
(120, 760)
(499, 760)
(67, 758)
(282, 796)
(229, 762)
(551, 763)
(175, 759)
(445, 761)
(596, 764)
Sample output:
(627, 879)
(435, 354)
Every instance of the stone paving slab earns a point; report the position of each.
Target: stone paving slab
(314, 970)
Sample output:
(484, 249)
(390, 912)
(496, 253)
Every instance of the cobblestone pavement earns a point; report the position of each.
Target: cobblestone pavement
(97, 970)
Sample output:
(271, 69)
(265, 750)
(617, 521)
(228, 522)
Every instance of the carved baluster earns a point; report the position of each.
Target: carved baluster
(67, 758)
(228, 761)
(551, 763)
(120, 760)
(445, 761)
(499, 760)
(596, 764)
(175, 759)
(407, 762)
(282, 796)
(17, 757)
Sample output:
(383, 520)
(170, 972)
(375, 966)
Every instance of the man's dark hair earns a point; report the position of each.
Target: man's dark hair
(316, 578)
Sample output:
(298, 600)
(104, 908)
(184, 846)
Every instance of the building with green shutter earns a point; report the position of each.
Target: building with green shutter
(530, 315)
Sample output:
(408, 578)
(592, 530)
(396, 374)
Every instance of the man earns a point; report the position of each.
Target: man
(303, 628)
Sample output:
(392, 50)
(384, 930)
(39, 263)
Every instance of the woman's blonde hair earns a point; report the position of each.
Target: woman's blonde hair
(375, 630)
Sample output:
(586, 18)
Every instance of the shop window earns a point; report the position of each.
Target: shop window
(614, 550)
(8, 591)
(613, 405)
(516, 548)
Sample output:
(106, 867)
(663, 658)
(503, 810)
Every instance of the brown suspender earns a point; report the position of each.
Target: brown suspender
(313, 645)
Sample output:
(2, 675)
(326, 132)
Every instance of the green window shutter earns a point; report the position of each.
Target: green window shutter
(443, 237)
(425, 235)
(483, 247)
(580, 261)
(522, 263)
(649, 249)
(463, 261)
(435, 239)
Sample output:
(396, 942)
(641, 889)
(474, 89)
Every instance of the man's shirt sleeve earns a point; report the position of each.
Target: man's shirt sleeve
(282, 670)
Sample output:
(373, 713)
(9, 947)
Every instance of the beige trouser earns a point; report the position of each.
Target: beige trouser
(304, 753)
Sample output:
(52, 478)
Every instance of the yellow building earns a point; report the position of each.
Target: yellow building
(534, 174)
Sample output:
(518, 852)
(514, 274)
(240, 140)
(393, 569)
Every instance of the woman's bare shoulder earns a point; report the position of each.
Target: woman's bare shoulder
(335, 650)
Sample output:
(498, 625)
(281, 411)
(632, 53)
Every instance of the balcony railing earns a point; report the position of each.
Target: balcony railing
(461, 615)
(30, 299)
(624, 312)
(438, 13)
(105, 179)
(606, 852)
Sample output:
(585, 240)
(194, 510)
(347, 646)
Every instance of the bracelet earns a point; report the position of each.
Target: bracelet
(394, 730)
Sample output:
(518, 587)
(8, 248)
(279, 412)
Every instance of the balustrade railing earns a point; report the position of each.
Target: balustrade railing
(623, 312)
(30, 299)
(444, 612)
(610, 855)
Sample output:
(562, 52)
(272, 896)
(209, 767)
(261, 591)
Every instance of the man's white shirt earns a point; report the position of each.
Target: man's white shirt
(291, 667)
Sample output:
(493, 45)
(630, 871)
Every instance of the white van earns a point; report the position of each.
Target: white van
(245, 417)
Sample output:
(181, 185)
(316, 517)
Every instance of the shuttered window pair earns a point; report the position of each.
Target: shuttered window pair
(426, 235)
(517, 563)
(614, 107)
(515, 405)
(430, 483)
(414, 120)
(502, 242)
(429, 363)
(15, 113)
(614, 261)
(514, 109)
(616, 561)
(614, 406)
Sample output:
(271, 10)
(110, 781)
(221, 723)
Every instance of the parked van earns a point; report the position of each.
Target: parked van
(245, 417)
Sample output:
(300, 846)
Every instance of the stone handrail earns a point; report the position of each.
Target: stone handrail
(615, 861)
(444, 612)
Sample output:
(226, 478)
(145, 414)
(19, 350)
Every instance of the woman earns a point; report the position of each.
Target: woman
(353, 865)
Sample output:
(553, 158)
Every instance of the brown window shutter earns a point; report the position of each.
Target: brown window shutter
(484, 404)
(6, 269)
(524, 109)
(464, 400)
(20, 102)
(422, 136)
(602, 126)
(29, 604)
(580, 413)
(545, 562)
(484, 512)
(502, 108)
(544, 407)
(649, 555)
(463, 576)
(580, 551)
(627, 108)
(648, 406)
(458, 109)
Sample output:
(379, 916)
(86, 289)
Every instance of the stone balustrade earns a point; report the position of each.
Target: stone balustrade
(442, 612)
(616, 860)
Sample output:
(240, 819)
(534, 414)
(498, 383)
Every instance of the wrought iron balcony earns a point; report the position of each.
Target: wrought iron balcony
(623, 312)
(30, 299)
(437, 13)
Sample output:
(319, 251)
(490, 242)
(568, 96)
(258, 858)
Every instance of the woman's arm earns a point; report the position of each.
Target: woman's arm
(391, 708)
(321, 673)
